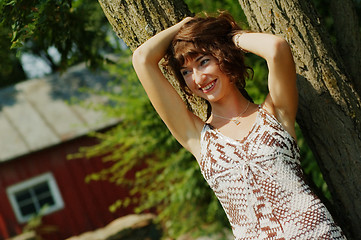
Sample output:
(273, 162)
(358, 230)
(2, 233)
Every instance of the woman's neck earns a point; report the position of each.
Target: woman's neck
(231, 105)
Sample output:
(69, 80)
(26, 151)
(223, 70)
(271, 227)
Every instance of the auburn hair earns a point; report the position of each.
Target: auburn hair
(209, 36)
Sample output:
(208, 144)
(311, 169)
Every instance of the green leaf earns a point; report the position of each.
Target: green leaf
(16, 44)
(12, 3)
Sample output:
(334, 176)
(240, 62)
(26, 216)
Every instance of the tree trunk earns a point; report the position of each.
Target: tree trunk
(329, 111)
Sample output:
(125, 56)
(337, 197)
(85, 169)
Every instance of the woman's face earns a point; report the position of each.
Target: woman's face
(204, 77)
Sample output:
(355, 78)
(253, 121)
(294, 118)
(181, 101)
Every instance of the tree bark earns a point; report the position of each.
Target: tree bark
(329, 110)
(347, 31)
(136, 21)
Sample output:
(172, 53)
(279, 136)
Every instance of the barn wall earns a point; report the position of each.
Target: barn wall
(86, 204)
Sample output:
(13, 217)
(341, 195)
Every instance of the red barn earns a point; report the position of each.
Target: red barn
(38, 129)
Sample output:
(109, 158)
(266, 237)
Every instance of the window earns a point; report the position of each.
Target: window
(37, 194)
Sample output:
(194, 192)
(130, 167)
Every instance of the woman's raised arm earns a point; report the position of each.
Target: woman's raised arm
(183, 124)
(283, 97)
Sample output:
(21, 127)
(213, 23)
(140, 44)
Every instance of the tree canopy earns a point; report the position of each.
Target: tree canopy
(78, 30)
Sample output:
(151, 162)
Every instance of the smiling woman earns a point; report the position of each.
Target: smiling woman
(247, 153)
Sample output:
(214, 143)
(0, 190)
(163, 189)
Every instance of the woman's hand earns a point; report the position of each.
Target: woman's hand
(235, 40)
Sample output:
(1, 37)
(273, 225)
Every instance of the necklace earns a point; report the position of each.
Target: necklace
(236, 119)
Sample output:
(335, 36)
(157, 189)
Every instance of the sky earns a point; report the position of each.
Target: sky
(35, 67)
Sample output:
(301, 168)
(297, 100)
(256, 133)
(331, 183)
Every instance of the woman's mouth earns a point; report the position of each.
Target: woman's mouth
(209, 87)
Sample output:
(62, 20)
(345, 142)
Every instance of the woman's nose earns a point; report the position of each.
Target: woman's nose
(199, 77)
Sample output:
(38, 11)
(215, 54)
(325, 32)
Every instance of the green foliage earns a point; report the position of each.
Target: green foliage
(10, 68)
(231, 6)
(37, 228)
(77, 29)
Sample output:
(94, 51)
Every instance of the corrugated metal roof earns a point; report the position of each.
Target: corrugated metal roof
(35, 114)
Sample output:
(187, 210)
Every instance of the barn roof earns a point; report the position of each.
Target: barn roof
(36, 114)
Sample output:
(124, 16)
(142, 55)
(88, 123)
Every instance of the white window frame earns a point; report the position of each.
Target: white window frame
(46, 177)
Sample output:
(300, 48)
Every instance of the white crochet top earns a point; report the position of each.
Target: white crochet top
(260, 184)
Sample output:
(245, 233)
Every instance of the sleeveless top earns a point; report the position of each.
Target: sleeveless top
(260, 185)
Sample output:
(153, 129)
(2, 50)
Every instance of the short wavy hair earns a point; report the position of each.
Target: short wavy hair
(213, 36)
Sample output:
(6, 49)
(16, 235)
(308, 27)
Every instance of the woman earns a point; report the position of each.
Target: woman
(247, 152)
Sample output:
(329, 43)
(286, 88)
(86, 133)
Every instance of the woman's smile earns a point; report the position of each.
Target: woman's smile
(209, 87)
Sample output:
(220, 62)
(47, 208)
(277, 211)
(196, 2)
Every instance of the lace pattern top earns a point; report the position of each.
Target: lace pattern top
(260, 185)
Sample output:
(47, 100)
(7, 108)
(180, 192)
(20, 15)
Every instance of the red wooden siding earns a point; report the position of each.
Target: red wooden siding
(85, 205)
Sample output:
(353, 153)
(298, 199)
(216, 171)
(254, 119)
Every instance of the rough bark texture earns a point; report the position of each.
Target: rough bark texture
(347, 31)
(135, 21)
(329, 112)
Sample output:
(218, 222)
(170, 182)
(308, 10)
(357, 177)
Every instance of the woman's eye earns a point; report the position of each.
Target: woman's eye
(184, 72)
(204, 61)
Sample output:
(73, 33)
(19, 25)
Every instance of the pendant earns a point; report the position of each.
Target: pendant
(237, 122)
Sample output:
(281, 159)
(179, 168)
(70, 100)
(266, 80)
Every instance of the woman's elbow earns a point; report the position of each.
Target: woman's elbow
(281, 49)
(138, 56)
(143, 56)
